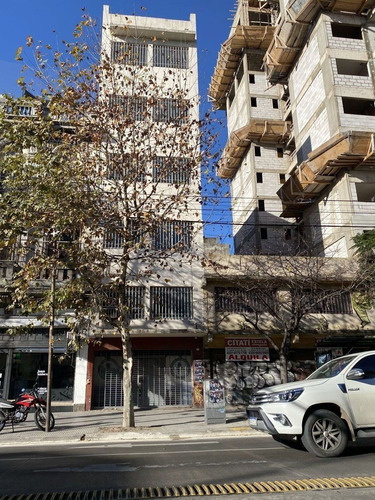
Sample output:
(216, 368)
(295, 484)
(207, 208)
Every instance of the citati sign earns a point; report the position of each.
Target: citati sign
(246, 349)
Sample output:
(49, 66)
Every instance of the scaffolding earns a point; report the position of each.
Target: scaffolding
(293, 27)
(307, 182)
(254, 30)
(257, 130)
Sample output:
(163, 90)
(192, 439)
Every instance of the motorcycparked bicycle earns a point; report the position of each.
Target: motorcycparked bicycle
(18, 410)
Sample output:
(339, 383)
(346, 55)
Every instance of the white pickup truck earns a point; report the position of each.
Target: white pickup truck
(333, 405)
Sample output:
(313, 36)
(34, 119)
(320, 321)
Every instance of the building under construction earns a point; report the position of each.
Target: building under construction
(297, 82)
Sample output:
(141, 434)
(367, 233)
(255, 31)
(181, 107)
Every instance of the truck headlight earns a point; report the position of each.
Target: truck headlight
(285, 396)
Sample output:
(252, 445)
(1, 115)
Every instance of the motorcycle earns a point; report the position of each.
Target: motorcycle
(18, 410)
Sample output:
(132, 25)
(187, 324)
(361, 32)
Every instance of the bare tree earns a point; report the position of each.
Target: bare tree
(111, 162)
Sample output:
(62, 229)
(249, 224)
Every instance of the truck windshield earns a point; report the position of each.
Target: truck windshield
(332, 368)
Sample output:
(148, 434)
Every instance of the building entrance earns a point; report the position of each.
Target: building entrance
(160, 378)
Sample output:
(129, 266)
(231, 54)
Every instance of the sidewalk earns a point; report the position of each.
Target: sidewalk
(105, 425)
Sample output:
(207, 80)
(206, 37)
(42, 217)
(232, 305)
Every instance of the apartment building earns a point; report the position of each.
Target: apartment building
(256, 156)
(156, 64)
(156, 85)
(296, 80)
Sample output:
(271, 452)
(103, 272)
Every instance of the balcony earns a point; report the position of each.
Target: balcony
(255, 31)
(259, 130)
(293, 27)
(310, 178)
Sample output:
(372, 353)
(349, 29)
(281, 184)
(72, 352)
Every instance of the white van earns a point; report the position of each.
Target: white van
(334, 404)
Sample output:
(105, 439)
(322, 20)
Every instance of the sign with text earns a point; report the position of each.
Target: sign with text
(242, 349)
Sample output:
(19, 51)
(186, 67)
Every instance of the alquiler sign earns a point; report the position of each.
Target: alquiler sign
(246, 349)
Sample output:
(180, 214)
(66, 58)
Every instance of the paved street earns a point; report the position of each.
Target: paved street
(171, 447)
(154, 423)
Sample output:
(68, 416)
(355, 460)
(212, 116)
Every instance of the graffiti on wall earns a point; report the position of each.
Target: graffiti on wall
(241, 380)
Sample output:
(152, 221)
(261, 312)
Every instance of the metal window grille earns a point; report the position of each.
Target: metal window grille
(172, 234)
(134, 300)
(170, 110)
(134, 54)
(168, 56)
(239, 300)
(171, 170)
(26, 110)
(124, 167)
(327, 302)
(2, 179)
(114, 237)
(171, 302)
(134, 108)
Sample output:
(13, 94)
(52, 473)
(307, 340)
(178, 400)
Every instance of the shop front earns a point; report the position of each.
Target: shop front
(245, 364)
(22, 356)
(162, 372)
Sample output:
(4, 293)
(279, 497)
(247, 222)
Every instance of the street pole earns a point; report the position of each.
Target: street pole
(50, 350)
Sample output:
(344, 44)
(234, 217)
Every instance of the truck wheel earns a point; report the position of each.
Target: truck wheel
(325, 434)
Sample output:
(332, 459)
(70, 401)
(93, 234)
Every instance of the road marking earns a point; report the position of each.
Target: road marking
(140, 445)
(128, 468)
(79, 455)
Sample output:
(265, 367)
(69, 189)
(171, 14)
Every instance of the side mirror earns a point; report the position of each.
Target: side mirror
(355, 374)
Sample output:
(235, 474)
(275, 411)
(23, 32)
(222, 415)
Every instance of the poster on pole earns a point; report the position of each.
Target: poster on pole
(246, 349)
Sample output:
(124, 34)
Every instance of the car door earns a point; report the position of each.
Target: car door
(361, 393)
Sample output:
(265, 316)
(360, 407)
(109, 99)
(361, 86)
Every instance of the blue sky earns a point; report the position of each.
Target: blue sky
(39, 18)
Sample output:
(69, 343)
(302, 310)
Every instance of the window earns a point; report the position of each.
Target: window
(351, 67)
(114, 236)
(231, 95)
(173, 234)
(240, 73)
(259, 18)
(171, 170)
(241, 300)
(280, 152)
(253, 102)
(275, 104)
(134, 108)
(282, 178)
(5, 301)
(261, 205)
(2, 179)
(355, 106)
(170, 110)
(124, 167)
(251, 78)
(346, 31)
(325, 301)
(259, 178)
(134, 301)
(171, 302)
(263, 233)
(134, 54)
(257, 151)
(168, 56)
(367, 364)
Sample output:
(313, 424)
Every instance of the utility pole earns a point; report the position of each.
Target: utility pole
(50, 349)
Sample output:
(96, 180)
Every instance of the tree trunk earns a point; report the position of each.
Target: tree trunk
(283, 368)
(127, 364)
